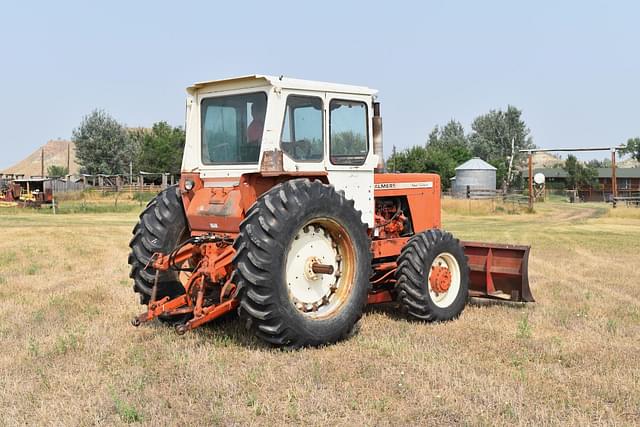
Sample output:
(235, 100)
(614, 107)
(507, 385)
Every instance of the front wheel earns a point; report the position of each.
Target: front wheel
(433, 276)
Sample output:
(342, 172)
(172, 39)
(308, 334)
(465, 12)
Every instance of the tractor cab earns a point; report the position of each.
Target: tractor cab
(276, 126)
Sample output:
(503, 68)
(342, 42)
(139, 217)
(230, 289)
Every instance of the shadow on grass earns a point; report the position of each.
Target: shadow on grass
(393, 310)
(487, 302)
(229, 331)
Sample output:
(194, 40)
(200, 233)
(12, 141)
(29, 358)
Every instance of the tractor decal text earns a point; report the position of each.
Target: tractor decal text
(402, 185)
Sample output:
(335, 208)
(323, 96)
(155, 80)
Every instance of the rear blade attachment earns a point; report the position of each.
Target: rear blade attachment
(498, 271)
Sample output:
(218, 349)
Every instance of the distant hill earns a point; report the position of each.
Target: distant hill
(545, 160)
(55, 153)
(628, 163)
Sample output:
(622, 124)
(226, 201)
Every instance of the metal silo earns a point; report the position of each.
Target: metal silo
(475, 173)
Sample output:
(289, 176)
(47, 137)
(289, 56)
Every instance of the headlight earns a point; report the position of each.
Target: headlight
(188, 184)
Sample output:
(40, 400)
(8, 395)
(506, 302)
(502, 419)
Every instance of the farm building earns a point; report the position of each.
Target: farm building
(476, 175)
(627, 180)
(36, 190)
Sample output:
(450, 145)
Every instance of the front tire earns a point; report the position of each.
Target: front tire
(433, 276)
(290, 230)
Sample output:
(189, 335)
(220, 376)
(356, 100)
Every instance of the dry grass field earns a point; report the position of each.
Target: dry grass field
(70, 357)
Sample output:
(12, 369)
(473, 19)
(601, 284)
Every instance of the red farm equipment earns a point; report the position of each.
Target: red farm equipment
(283, 213)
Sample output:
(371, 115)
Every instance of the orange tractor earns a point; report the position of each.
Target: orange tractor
(283, 213)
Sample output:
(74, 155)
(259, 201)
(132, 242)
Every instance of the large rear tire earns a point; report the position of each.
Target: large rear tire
(291, 228)
(433, 276)
(162, 226)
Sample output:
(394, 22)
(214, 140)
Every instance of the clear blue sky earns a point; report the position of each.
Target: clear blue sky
(573, 67)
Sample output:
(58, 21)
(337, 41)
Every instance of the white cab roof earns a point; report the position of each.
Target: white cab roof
(285, 83)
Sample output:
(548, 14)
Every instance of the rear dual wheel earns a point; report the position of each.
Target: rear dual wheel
(303, 264)
(161, 228)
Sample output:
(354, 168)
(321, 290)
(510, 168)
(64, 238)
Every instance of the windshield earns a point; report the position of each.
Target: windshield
(232, 128)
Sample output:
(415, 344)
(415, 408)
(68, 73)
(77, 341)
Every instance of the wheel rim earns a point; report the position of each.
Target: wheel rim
(322, 244)
(444, 280)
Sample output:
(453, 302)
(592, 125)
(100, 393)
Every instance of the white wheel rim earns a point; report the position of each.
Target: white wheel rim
(445, 299)
(313, 294)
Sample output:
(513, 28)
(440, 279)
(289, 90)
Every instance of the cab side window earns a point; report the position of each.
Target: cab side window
(348, 132)
(302, 132)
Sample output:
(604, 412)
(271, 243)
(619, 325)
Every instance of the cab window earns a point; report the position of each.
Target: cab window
(302, 135)
(232, 128)
(348, 132)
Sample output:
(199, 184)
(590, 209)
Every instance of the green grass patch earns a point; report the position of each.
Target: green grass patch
(32, 269)
(127, 412)
(34, 348)
(79, 208)
(143, 197)
(524, 328)
(7, 258)
(66, 343)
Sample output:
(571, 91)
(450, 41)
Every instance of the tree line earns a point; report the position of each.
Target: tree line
(633, 148)
(497, 137)
(580, 175)
(105, 146)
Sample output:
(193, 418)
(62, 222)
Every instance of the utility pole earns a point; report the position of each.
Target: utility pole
(530, 181)
(614, 179)
(42, 163)
(53, 196)
(506, 184)
(68, 158)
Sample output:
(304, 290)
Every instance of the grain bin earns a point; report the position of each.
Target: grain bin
(477, 174)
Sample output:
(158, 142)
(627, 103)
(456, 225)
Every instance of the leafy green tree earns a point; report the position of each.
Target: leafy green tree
(571, 166)
(446, 148)
(633, 148)
(411, 160)
(450, 137)
(595, 163)
(158, 149)
(579, 175)
(102, 145)
(497, 138)
(57, 171)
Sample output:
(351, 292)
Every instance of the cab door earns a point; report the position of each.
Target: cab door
(348, 159)
(302, 138)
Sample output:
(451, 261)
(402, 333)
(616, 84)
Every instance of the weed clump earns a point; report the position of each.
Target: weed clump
(524, 328)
